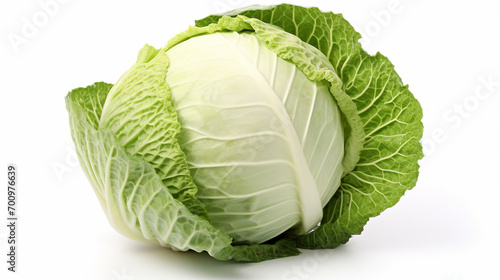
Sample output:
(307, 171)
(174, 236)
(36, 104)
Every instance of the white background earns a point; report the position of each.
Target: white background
(447, 227)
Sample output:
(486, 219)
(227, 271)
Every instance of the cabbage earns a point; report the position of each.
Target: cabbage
(249, 136)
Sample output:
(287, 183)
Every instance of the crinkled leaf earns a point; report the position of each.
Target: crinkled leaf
(263, 252)
(139, 112)
(136, 202)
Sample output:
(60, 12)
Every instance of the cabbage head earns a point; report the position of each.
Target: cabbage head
(249, 136)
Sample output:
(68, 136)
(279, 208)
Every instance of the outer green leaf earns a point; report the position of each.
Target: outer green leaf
(388, 164)
(263, 252)
(139, 111)
(130, 191)
(390, 114)
(92, 106)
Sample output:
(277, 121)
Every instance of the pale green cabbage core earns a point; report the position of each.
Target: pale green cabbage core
(264, 144)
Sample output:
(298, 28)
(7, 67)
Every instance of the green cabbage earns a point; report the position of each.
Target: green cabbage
(249, 136)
